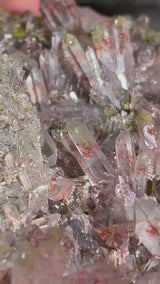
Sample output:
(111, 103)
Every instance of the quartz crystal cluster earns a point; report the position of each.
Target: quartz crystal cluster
(79, 147)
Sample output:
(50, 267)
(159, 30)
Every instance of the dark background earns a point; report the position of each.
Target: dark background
(133, 7)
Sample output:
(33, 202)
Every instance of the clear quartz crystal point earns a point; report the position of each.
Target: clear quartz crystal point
(147, 167)
(56, 40)
(105, 50)
(125, 155)
(143, 167)
(147, 162)
(49, 148)
(124, 193)
(74, 53)
(50, 69)
(147, 131)
(103, 43)
(62, 13)
(147, 224)
(79, 141)
(104, 87)
(124, 54)
(92, 59)
(36, 86)
(38, 200)
(90, 67)
(59, 188)
(72, 46)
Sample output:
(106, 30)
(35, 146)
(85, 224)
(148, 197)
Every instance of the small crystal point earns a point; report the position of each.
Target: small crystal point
(61, 13)
(79, 141)
(104, 88)
(59, 188)
(124, 54)
(69, 39)
(88, 65)
(143, 167)
(36, 86)
(125, 155)
(147, 131)
(103, 42)
(147, 225)
(50, 69)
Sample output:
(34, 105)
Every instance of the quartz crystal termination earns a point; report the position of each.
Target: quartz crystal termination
(79, 141)
(147, 162)
(125, 154)
(90, 67)
(147, 131)
(104, 43)
(147, 224)
(61, 14)
(124, 53)
(36, 87)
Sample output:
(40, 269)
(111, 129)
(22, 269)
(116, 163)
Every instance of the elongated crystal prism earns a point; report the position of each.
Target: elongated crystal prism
(124, 54)
(147, 131)
(143, 167)
(147, 166)
(125, 155)
(50, 69)
(147, 224)
(104, 43)
(88, 64)
(75, 55)
(79, 141)
(36, 86)
(61, 13)
(105, 89)
(49, 148)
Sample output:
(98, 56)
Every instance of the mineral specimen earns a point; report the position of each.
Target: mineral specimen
(79, 147)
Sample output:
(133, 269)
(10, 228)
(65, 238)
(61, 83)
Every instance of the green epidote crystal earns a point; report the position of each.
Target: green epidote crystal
(69, 39)
(19, 31)
(149, 187)
(145, 117)
(95, 33)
